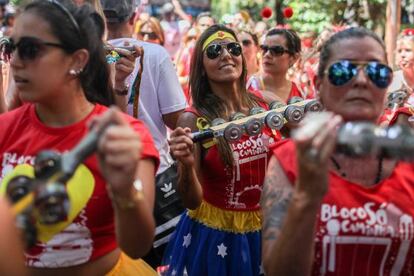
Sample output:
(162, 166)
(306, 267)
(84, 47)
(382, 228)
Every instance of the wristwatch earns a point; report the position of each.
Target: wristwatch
(129, 202)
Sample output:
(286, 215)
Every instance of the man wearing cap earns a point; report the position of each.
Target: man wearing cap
(160, 102)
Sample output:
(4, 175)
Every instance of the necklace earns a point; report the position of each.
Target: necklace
(343, 174)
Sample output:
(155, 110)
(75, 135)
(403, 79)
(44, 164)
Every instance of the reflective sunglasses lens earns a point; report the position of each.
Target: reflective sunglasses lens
(341, 72)
(234, 49)
(213, 51)
(379, 74)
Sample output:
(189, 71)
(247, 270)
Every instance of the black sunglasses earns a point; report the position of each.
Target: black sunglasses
(28, 48)
(341, 72)
(274, 50)
(215, 50)
(151, 35)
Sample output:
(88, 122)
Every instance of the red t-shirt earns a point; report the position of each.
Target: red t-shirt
(295, 92)
(360, 230)
(256, 83)
(237, 187)
(90, 233)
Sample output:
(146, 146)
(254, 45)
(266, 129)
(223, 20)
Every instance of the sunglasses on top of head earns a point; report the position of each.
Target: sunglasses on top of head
(274, 50)
(341, 72)
(28, 48)
(215, 50)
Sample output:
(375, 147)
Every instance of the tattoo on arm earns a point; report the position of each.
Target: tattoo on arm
(276, 197)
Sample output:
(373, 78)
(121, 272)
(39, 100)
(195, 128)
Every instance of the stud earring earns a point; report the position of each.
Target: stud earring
(74, 72)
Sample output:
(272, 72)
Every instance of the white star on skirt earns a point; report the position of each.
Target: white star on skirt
(187, 240)
(261, 269)
(222, 250)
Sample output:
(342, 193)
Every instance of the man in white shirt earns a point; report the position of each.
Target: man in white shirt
(161, 99)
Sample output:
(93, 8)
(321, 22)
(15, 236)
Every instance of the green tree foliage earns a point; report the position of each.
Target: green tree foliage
(317, 14)
(314, 15)
(15, 2)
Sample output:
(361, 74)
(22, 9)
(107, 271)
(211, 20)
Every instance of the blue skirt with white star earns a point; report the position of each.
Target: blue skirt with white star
(213, 241)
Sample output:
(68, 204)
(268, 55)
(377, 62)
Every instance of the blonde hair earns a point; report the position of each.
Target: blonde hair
(155, 26)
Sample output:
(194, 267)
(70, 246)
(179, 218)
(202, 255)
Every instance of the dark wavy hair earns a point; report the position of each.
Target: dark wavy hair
(208, 104)
(292, 39)
(87, 35)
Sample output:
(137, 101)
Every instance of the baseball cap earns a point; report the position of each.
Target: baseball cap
(118, 11)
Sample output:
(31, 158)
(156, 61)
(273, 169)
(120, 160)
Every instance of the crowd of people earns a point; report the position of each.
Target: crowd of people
(152, 201)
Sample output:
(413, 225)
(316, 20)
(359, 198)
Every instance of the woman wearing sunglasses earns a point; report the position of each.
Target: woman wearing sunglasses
(220, 183)
(150, 30)
(280, 50)
(12, 98)
(330, 214)
(58, 63)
